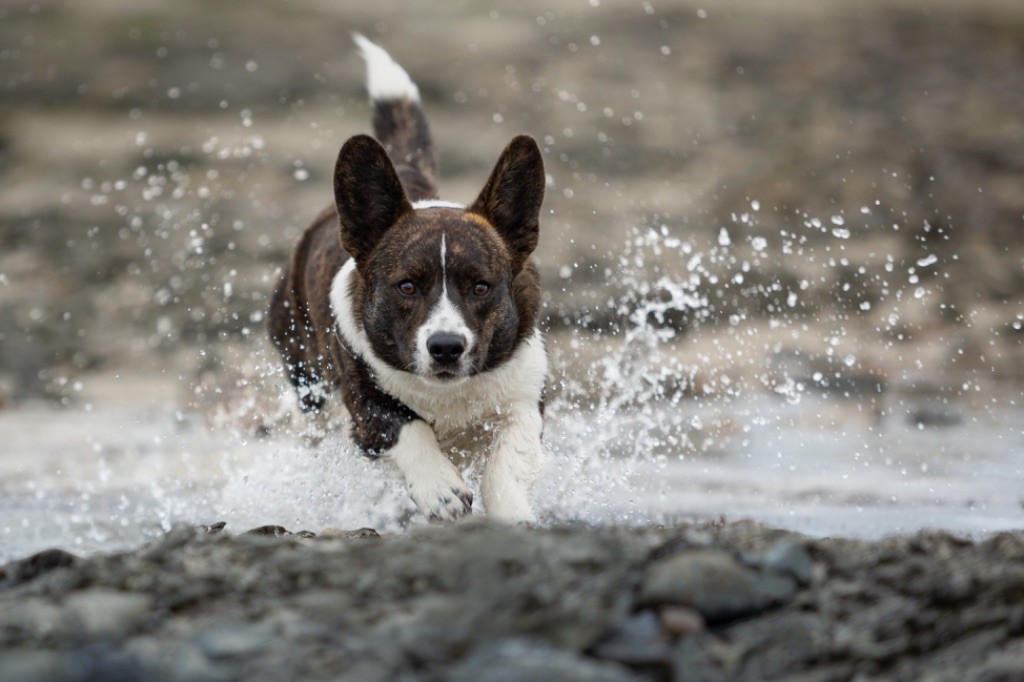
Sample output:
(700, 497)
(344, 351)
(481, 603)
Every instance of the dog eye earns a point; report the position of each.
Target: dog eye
(480, 289)
(407, 288)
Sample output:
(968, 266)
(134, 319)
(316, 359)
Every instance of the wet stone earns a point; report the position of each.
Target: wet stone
(269, 531)
(108, 613)
(34, 566)
(636, 641)
(714, 583)
(520, 660)
(694, 660)
(681, 620)
(236, 639)
(788, 557)
(780, 643)
(360, 534)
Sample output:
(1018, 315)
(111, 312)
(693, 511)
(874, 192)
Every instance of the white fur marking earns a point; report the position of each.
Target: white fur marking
(385, 79)
(447, 406)
(436, 203)
(443, 318)
(514, 464)
(506, 397)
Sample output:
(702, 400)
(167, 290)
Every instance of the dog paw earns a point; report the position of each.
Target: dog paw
(452, 507)
(443, 501)
(512, 514)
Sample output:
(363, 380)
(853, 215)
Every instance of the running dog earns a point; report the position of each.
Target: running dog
(422, 314)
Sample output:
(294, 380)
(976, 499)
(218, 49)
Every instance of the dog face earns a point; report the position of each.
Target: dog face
(438, 290)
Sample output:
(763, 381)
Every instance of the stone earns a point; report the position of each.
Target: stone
(636, 641)
(519, 660)
(788, 557)
(693, 660)
(236, 639)
(681, 620)
(711, 581)
(34, 566)
(102, 612)
(360, 534)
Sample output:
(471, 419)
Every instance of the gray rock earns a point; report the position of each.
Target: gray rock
(520, 660)
(714, 583)
(788, 557)
(102, 612)
(681, 620)
(779, 643)
(636, 641)
(236, 639)
(34, 566)
(360, 534)
(694, 660)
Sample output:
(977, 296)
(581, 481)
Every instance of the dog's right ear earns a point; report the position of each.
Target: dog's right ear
(368, 194)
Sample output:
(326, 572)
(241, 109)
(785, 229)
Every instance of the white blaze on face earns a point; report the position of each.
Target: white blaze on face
(444, 317)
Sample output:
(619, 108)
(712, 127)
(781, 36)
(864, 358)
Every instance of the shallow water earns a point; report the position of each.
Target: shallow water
(112, 477)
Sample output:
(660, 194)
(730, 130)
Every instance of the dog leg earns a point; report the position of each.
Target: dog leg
(435, 484)
(513, 466)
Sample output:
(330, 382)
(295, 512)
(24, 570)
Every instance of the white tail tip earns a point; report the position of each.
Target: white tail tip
(385, 79)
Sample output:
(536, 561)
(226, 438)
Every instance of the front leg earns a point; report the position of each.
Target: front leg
(384, 427)
(435, 484)
(513, 466)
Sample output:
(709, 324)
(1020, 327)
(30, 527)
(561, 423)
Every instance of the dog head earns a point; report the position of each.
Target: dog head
(441, 291)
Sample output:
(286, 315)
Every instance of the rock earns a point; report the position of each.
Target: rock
(34, 566)
(714, 583)
(479, 600)
(214, 528)
(519, 660)
(102, 612)
(693, 660)
(681, 620)
(236, 639)
(360, 534)
(779, 643)
(637, 641)
(270, 531)
(788, 557)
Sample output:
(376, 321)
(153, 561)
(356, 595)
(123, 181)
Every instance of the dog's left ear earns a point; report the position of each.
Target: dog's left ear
(511, 199)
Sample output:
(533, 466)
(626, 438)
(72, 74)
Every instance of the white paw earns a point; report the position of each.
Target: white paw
(441, 495)
(511, 506)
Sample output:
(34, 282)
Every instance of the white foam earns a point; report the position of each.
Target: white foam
(385, 78)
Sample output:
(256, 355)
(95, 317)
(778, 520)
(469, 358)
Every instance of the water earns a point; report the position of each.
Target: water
(111, 478)
(682, 408)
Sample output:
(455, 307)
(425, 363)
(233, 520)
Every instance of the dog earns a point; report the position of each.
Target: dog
(421, 313)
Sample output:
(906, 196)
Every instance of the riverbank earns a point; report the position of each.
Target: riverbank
(481, 601)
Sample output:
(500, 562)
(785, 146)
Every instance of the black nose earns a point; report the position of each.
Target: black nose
(446, 348)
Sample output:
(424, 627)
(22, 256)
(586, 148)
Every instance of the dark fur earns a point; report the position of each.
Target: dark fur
(374, 222)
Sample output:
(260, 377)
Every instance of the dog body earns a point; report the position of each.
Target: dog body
(423, 313)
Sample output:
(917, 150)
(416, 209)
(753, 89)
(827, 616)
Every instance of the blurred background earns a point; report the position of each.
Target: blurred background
(745, 199)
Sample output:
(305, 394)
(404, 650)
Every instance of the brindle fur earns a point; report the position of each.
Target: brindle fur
(374, 222)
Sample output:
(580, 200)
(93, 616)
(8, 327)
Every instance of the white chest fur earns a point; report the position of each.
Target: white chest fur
(448, 407)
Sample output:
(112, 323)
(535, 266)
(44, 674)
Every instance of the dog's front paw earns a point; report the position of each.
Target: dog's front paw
(443, 499)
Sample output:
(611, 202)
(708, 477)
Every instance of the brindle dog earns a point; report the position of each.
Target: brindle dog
(423, 313)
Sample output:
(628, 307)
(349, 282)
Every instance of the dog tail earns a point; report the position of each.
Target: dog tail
(399, 122)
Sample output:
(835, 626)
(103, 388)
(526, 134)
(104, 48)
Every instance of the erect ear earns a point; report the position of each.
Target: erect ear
(511, 199)
(368, 194)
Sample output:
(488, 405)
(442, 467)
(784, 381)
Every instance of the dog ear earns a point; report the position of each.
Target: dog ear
(368, 194)
(511, 199)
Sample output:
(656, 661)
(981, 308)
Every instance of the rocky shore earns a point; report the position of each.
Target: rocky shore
(479, 601)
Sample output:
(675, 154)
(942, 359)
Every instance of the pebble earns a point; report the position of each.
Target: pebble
(108, 613)
(714, 583)
(681, 620)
